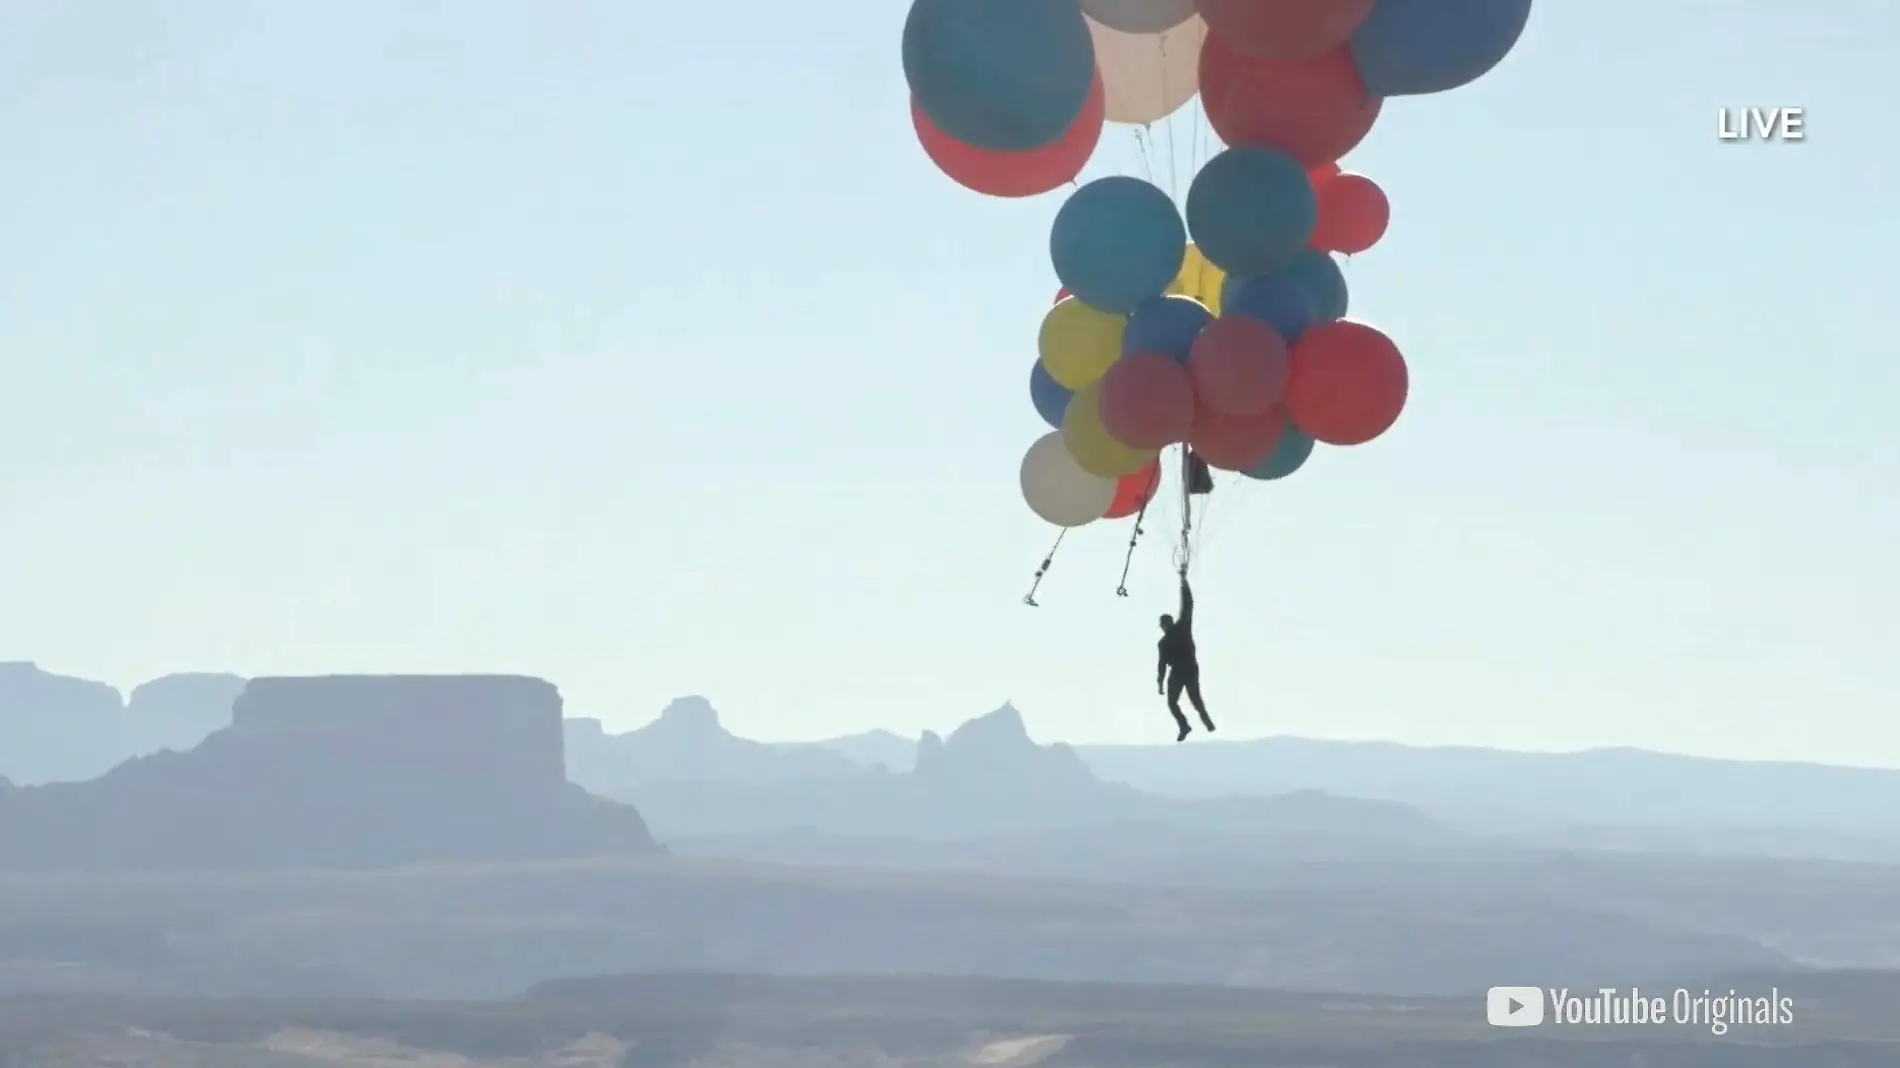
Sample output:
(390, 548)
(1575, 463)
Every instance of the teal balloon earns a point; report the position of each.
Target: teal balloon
(1287, 457)
(1414, 47)
(1005, 75)
(1251, 210)
(1274, 299)
(1117, 243)
(1317, 274)
(1167, 326)
(1047, 394)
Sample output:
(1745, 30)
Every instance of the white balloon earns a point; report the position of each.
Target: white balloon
(1139, 16)
(1147, 77)
(1060, 491)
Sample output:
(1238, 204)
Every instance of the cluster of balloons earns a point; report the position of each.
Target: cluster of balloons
(1221, 327)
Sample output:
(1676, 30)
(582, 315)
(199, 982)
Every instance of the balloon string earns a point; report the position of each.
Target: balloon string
(1049, 558)
(1186, 510)
(1128, 560)
(1174, 184)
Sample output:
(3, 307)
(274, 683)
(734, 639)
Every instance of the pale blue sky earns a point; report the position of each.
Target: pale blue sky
(647, 352)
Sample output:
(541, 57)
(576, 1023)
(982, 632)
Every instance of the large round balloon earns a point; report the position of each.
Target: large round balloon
(1148, 76)
(1318, 276)
(1411, 47)
(1133, 492)
(1274, 299)
(1050, 399)
(1289, 455)
(1093, 447)
(1058, 490)
(1347, 383)
(1284, 29)
(1077, 342)
(1006, 75)
(1139, 16)
(1117, 242)
(1315, 109)
(1236, 442)
(1352, 214)
(1166, 326)
(1014, 174)
(1239, 366)
(1251, 210)
(1199, 279)
(1147, 401)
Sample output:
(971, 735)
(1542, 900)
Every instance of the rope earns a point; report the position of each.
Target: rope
(1161, 40)
(1183, 555)
(1129, 559)
(1030, 597)
(1142, 137)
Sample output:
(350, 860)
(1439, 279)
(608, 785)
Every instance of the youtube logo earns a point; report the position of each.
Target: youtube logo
(1514, 1006)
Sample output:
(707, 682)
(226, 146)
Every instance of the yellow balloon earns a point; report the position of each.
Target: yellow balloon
(1199, 279)
(1078, 342)
(1095, 450)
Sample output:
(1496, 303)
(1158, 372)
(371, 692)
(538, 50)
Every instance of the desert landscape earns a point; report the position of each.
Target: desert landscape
(324, 879)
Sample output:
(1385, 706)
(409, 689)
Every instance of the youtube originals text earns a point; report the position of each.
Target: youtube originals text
(1716, 1010)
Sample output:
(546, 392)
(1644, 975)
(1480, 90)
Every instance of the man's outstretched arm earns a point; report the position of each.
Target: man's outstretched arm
(1187, 602)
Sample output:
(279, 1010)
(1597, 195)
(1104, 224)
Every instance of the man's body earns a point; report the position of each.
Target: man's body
(1178, 670)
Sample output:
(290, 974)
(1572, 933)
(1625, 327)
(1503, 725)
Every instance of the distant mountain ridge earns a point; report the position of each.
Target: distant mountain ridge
(338, 771)
(688, 742)
(989, 778)
(55, 728)
(1631, 789)
(1616, 799)
(60, 729)
(878, 750)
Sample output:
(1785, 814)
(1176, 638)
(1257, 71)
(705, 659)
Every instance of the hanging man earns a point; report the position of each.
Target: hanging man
(1178, 670)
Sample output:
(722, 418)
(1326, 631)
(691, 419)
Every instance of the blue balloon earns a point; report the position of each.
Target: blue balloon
(1050, 399)
(1275, 300)
(1319, 277)
(1413, 47)
(1006, 75)
(1287, 457)
(1167, 326)
(1251, 210)
(1117, 243)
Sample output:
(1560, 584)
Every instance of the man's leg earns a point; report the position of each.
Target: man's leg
(1193, 687)
(1175, 685)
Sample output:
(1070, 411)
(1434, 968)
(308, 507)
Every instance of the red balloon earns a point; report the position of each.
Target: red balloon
(1015, 174)
(1239, 365)
(1347, 383)
(1134, 491)
(1236, 442)
(1146, 401)
(1353, 214)
(1062, 295)
(1283, 29)
(1315, 109)
(1317, 177)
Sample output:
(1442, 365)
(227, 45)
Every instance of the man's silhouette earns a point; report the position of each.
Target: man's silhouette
(1178, 670)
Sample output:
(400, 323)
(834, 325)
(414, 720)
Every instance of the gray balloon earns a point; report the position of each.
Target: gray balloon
(1139, 16)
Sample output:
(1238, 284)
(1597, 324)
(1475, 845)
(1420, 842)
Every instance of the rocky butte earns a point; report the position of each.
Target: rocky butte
(59, 729)
(56, 728)
(689, 743)
(337, 771)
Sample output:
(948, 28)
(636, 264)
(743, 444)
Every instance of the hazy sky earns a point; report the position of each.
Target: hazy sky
(638, 346)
